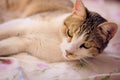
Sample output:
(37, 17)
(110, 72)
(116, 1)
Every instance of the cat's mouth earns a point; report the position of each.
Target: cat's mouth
(73, 56)
(69, 55)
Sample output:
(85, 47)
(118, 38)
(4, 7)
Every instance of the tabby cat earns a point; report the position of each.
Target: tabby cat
(58, 37)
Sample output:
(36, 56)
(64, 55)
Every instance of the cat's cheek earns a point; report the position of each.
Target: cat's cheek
(80, 53)
(83, 53)
(63, 46)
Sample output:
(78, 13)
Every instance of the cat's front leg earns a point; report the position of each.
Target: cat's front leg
(13, 28)
(13, 45)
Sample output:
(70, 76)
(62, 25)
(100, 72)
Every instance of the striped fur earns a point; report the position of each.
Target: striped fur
(90, 28)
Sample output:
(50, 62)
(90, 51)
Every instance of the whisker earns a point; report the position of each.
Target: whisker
(90, 64)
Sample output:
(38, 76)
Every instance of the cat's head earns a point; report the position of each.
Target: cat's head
(85, 33)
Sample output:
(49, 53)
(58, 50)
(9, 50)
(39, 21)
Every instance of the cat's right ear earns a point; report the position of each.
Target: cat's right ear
(79, 9)
(110, 28)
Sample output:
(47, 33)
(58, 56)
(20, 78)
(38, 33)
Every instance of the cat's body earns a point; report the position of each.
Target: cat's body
(42, 35)
(47, 37)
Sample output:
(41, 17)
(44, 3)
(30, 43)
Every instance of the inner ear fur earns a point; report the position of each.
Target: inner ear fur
(79, 9)
(110, 28)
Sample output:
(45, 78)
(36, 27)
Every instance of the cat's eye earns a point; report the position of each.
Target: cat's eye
(86, 45)
(70, 33)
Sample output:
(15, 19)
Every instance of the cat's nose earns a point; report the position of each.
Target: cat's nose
(68, 53)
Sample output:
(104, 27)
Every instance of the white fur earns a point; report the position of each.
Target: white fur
(40, 38)
(74, 48)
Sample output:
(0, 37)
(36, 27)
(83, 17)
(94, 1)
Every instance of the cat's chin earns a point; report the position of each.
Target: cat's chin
(70, 57)
(76, 57)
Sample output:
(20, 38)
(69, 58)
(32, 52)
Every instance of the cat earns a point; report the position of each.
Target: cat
(60, 36)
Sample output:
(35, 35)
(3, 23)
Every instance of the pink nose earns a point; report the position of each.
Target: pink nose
(68, 53)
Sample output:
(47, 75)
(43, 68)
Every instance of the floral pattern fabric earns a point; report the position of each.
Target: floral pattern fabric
(101, 68)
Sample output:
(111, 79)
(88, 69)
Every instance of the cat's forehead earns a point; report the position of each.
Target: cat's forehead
(92, 19)
(72, 21)
(87, 25)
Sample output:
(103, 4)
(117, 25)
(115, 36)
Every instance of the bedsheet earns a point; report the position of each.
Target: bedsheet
(27, 67)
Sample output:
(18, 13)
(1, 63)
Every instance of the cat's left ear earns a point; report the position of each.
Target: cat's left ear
(110, 29)
(79, 9)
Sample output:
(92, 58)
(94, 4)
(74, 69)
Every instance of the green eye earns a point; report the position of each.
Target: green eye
(86, 45)
(70, 33)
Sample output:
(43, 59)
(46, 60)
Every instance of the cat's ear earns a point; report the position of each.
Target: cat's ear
(79, 9)
(110, 29)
